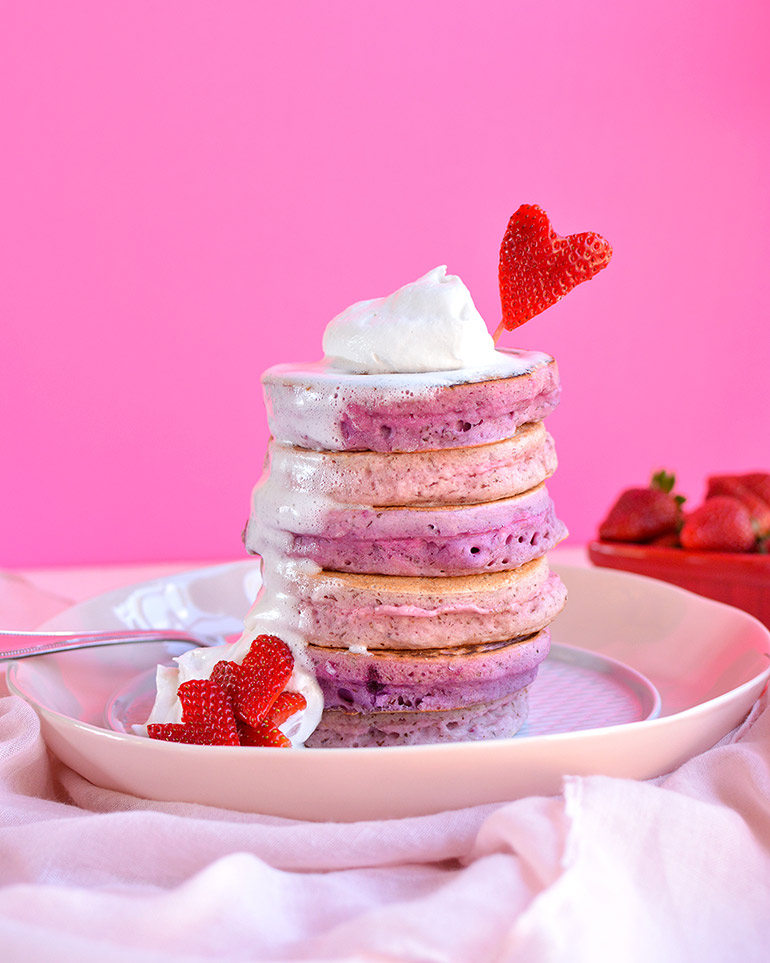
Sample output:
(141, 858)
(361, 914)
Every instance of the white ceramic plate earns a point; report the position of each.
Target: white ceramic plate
(575, 690)
(707, 662)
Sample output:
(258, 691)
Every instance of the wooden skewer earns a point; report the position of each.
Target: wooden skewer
(500, 329)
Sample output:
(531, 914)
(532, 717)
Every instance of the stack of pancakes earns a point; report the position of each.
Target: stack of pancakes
(403, 521)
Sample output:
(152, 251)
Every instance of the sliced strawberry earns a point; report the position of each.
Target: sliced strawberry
(265, 670)
(721, 524)
(537, 267)
(227, 675)
(179, 732)
(239, 704)
(285, 706)
(206, 705)
(263, 734)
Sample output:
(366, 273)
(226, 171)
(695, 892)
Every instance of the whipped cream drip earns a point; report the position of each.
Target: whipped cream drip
(429, 325)
(273, 613)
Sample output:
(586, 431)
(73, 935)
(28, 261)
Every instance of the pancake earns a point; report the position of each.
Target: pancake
(317, 407)
(416, 540)
(499, 719)
(446, 476)
(423, 680)
(392, 612)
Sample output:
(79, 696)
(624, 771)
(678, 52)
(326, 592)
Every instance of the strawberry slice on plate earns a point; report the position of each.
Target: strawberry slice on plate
(263, 734)
(265, 670)
(207, 717)
(239, 704)
(285, 706)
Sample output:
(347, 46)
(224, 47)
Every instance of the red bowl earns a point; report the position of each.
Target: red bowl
(742, 580)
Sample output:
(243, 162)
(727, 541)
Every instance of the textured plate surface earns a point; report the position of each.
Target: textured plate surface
(708, 662)
(575, 690)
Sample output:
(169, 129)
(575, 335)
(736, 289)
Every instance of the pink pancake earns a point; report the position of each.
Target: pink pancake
(448, 476)
(428, 679)
(450, 540)
(393, 612)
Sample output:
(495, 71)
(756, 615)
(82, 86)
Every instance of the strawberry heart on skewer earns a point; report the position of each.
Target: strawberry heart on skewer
(537, 267)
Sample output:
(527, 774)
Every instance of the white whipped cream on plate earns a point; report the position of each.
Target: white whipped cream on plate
(199, 663)
(429, 325)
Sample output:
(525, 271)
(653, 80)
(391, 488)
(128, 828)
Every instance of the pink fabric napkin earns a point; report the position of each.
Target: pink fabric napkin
(612, 869)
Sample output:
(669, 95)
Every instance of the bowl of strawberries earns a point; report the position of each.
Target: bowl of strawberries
(720, 549)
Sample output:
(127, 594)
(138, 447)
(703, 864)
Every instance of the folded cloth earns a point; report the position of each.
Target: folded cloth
(614, 869)
(676, 869)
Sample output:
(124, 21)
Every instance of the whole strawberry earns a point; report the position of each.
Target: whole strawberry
(644, 514)
(752, 489)
(759, 483)
(721, 524)
(538, 267)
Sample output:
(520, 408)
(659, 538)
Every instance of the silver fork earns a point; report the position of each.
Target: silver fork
(22, 645)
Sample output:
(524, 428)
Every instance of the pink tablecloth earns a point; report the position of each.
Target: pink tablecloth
(611, 869)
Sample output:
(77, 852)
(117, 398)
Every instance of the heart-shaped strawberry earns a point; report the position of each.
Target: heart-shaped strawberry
(206, 709)
(537, 267)
(262, 734)
(265, 670)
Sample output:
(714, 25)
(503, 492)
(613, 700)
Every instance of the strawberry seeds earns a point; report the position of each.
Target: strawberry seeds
(538, 267)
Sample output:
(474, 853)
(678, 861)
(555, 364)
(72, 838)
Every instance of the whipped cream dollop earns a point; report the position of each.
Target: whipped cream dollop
(429, 325)
(266, 616)
(274, 612)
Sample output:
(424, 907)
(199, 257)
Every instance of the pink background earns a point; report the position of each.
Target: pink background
(194, 188)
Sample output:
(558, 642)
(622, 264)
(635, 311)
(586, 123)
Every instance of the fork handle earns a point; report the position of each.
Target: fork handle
(21, 645)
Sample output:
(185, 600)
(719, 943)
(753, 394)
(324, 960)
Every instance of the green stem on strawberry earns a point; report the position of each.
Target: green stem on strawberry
(664, 481)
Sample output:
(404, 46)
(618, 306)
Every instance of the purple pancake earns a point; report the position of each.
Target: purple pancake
(451, 540)
(424, 680)
(342, 729)
(315, 407)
